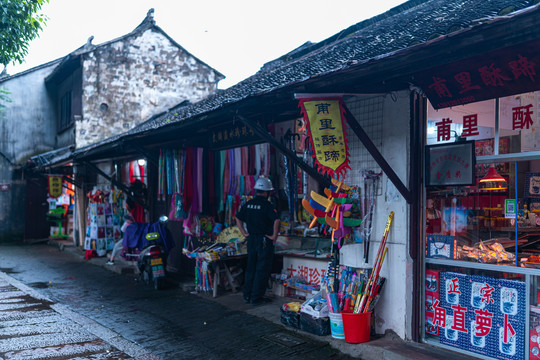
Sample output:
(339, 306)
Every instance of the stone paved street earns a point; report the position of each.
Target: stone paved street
(171, 324)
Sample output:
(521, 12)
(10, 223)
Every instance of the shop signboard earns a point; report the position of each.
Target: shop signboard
(500, 73)
(232, 136)
(311, 270)
(482, 314)
(450, 164)
(55, 185)
(326, 133)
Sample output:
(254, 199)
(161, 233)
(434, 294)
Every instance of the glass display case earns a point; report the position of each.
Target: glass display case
(315, 247)
(482, 235)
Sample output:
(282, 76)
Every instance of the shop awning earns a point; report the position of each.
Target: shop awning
(503, 72)
(57, 157)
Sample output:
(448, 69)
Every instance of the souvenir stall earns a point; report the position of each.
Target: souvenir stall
(343, 302)
(106, 210)
(482, 216)
(105, 217)
(60, 213)
(205, 189)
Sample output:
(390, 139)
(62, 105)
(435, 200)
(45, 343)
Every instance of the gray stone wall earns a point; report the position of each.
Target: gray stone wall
(129, 80)
(29, 124)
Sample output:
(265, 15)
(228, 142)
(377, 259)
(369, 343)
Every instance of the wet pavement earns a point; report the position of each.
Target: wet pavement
(33, 327)
(55, 305)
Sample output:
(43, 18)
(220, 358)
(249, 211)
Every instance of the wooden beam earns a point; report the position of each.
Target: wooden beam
(323, 181)
(146, 153)
(370, 146)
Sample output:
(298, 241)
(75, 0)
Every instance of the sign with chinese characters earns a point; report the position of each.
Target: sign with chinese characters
(326, 132)
(232, 136)
(311, 270)
(450, 164)
(482, 314)
(499, 73)
(55, 185)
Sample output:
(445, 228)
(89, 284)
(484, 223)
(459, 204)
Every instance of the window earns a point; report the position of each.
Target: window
(66, 116)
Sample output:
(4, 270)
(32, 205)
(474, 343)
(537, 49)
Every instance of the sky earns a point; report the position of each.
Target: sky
(235, 37)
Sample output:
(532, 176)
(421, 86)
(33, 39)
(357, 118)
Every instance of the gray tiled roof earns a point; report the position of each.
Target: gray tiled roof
(411, 23)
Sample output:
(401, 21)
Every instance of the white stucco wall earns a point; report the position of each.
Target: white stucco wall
(394, 309)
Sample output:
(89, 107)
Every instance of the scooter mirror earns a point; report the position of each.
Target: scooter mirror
(163, 219)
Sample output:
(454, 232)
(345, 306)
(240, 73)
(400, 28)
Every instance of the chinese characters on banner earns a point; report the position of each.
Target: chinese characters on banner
(451, 164)
(55, 185)
(522, 119)
(327, 134)
(498, 74)
(312, 271)
(482, 314)
(232, 135)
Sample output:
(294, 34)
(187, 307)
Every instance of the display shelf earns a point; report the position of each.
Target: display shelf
(507, 268)
(529, 229)
(305, 247)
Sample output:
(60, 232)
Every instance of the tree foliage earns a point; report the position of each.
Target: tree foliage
(20, 22)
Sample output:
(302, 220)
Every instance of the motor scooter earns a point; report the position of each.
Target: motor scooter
(152, 260)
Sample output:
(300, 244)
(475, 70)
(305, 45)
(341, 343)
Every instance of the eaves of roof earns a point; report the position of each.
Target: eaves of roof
(147, 23)
(31, 70)
(54, 157)
(421, 26)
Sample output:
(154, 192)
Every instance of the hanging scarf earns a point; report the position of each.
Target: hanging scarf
(194, 209)
(244, 160)
(210, 170)
(161, 179)
(221, 181)
(232, 174)
(200, 181)
(257, 161)
(251, 160)
(188, 179)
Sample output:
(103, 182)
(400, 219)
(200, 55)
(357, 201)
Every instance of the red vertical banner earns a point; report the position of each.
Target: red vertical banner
(326, 133)
(55, 185)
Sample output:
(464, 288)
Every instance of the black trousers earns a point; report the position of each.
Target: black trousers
(259, 266)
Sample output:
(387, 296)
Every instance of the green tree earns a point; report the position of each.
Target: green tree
(20, 22)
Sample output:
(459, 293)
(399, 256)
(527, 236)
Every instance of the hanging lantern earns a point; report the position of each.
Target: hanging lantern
(492, 181)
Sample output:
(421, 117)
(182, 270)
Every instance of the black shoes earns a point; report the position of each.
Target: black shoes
(247, 299)
(261, 301)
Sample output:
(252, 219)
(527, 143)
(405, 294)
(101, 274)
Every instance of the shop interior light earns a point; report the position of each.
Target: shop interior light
(492, 181)
(141, 162)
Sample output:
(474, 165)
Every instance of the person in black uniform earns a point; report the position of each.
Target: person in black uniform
(262, 222)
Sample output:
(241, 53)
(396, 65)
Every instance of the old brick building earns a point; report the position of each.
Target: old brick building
(93, 93)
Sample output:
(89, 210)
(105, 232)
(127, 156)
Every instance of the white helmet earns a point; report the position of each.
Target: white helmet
(263, 184)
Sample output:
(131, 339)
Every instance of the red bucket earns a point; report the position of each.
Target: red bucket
(357, 327)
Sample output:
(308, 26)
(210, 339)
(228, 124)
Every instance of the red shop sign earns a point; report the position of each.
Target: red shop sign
(500, 73)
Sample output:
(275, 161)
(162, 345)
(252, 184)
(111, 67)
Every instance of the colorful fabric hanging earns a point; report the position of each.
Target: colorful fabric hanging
(194, 209)
(245, 160)
(238, 161)
(232, 173)
(188, 179)
(257, 160)
(161, 176)
(200, 183)
(226, 176)
(221, 185)
(210, 170)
